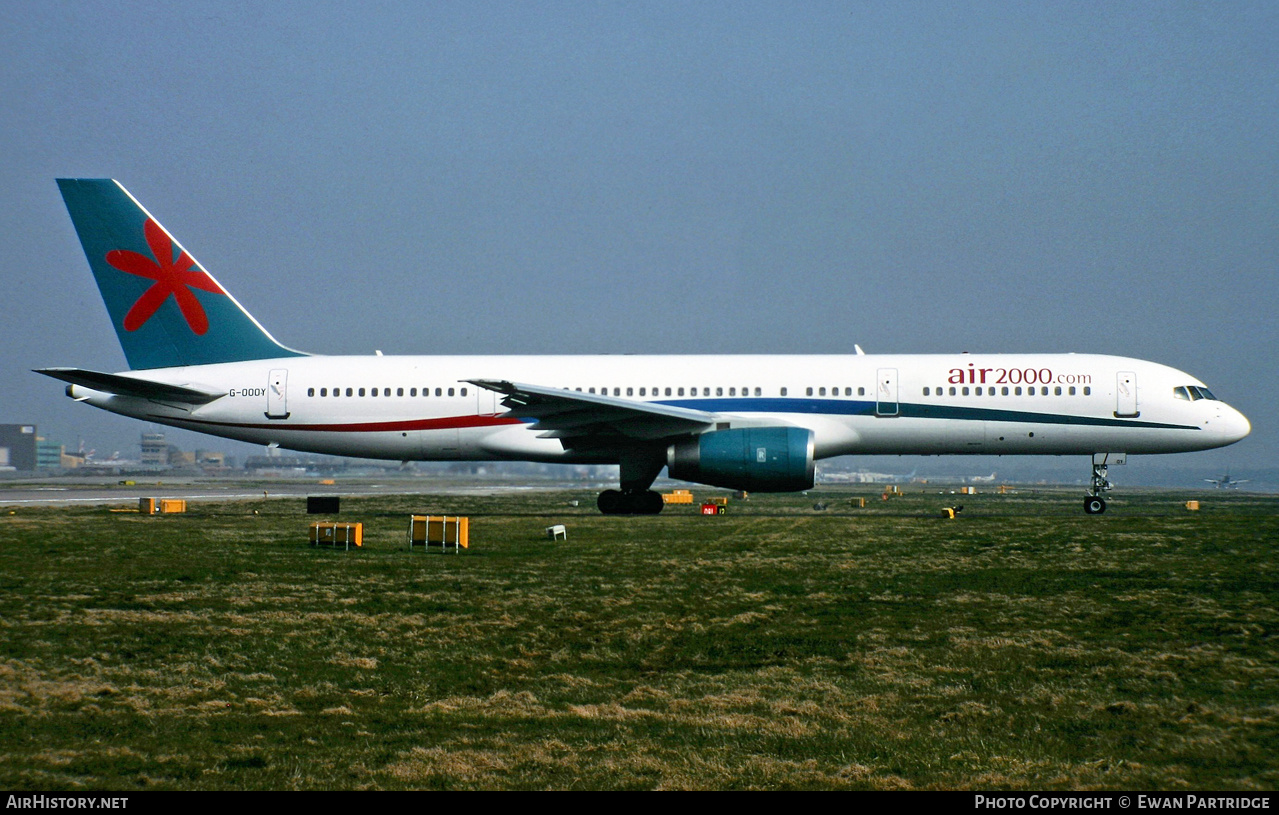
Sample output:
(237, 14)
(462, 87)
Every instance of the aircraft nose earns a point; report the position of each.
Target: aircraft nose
(1233, 425)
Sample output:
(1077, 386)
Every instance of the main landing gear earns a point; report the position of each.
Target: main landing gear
(1094, 504)
(632, 502)
(639, 470)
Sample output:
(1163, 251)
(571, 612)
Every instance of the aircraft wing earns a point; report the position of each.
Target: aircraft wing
(131, 386)
(569, 415)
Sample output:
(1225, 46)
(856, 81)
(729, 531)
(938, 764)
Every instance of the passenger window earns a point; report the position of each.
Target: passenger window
(1003, 391)
(668, 391)
(861, 391)
(783, 391)
(374, 392)
(630, 391)
(809, 392)
(643, 391)
(952, 390)
(1087, 391)
(925, 391)
(450, 391)
(965, 390)
(464, 391)
(821, 391)
(759, 393)
(1057, 391)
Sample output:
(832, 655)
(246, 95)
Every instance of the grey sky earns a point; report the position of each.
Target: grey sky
(661, 177)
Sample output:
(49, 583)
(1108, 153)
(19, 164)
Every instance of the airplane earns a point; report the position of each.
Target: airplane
(1226, 481)
(867, 477)
(199, 361)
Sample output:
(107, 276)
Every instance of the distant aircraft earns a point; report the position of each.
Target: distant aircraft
(867, 477)
(199, 361)
(1226, 481)
(983, 479)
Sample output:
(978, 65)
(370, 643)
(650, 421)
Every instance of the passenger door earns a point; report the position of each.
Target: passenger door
(1126, 395)
(277, 403)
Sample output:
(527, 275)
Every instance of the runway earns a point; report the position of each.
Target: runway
(114, 493)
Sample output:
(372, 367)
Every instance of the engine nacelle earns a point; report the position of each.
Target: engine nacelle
(758, 459)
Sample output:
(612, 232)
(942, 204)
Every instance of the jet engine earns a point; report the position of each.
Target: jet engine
(758, 459)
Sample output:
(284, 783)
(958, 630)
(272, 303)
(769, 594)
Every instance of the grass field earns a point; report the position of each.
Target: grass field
(1022, 645)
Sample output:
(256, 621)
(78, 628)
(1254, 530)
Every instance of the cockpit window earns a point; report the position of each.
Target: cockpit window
(1192, 392)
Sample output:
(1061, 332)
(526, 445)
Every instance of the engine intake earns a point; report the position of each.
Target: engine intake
(758, 459)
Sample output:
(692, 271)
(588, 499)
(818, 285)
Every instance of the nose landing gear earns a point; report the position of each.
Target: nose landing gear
(1094, 504)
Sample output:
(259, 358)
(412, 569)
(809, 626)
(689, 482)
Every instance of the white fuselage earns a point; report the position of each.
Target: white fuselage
(425, 409)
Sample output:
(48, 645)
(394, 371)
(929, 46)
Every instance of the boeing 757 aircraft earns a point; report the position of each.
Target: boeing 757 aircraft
(199, 361)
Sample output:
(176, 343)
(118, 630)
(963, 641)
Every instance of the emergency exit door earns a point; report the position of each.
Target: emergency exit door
(886, 392)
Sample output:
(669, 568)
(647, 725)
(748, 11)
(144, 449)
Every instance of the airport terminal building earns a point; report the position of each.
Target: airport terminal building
(17, 447)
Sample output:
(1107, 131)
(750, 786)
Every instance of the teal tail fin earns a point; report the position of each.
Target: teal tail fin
(166, 309)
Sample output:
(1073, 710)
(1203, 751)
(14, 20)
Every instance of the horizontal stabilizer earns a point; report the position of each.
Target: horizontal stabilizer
(131, 386)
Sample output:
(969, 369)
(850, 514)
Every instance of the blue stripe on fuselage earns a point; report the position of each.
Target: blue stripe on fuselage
(849, 407)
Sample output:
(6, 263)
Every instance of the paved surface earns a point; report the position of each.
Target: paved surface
(71, 494)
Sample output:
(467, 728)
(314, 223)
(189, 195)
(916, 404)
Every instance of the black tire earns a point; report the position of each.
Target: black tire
(653, 504)
(611, 502)
(1094, 505)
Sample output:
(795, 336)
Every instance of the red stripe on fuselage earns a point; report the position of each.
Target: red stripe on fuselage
(450, 423)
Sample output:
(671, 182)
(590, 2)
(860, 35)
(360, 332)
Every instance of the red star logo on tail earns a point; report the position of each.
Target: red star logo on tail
(172, 277)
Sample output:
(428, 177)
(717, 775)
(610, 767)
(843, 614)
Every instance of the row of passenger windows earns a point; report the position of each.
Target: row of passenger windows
(632, 391)
(833, 392)
(385, 392)
(1056, 390)
(717, 391)
(1189, 392)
